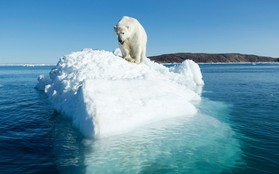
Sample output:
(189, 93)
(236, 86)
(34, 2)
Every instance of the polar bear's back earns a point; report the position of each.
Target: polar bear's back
(125, 21)
(132, 23)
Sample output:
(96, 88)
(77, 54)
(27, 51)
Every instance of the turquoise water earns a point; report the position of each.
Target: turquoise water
(235, 131)
(252, 91)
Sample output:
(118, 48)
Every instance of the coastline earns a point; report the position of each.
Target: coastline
(215, 58)
(26, 64)
(174, 63)
(223, 63)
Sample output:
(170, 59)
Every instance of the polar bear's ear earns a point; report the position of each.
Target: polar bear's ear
(115, 28)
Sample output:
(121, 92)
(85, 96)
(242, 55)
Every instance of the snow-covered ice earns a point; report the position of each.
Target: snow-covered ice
(105, 95)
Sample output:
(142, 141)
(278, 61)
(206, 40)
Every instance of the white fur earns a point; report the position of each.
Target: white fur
(132, 39)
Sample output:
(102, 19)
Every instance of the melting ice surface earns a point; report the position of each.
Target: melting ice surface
(144, 118)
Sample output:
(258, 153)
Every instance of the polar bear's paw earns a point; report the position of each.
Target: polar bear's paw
(129, 59)
(137, 61)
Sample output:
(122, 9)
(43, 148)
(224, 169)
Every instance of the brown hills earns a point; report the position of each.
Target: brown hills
(212, 58)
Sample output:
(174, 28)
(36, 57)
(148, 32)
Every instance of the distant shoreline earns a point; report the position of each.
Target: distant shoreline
(27, 64)
(222, 63)
(174, 63)
(201, 58)
(213, 58)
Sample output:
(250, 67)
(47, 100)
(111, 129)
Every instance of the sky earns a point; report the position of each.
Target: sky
(42, 31)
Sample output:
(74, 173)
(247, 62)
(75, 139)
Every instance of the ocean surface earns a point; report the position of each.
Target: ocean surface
(235, 131)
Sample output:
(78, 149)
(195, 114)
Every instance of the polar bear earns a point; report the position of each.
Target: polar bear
(132, 39)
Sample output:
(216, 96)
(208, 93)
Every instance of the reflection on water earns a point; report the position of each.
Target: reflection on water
(198, 144)
(193, 145)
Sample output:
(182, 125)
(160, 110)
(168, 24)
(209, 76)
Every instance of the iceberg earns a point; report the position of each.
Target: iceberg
(104, 95)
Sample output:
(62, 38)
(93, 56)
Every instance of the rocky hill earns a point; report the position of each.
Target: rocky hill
(211, 58)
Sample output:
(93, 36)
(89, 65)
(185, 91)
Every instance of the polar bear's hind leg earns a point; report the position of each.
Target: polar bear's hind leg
(137, 57)
(143, 54)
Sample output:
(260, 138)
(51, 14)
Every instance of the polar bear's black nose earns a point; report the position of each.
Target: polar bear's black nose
(120, 41)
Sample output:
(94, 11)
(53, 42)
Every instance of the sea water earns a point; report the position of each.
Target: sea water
(252, 92)
(235, 131)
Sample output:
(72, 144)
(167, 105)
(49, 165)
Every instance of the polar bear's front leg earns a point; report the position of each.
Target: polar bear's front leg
(128, 56)
(124, 51)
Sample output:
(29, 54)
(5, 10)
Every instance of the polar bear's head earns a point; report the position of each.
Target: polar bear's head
(122, 33)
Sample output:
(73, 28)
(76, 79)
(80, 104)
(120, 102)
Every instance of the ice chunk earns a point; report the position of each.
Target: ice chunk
(117, 52)
(43, 81)
(105, 95)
